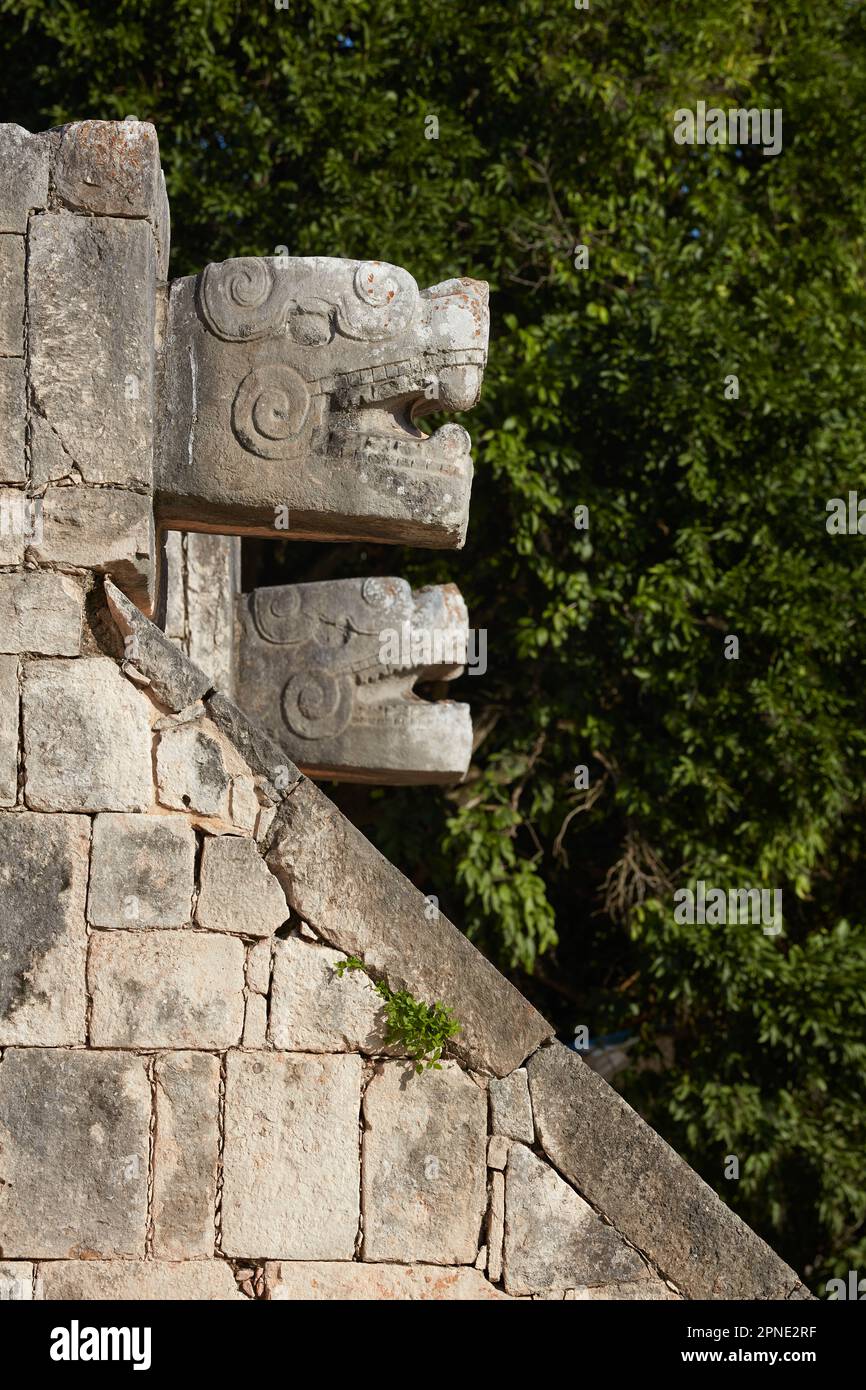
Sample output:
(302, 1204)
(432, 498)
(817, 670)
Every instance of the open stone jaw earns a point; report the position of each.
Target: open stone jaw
(298, 382)
(328, 670)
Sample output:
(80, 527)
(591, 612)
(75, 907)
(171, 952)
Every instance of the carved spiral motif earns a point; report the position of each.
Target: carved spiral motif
(317, 705)
(277, 614)
(244, 299)
(270, 409)
(384, 302)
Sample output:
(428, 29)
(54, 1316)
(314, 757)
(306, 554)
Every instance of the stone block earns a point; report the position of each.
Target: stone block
(173, 679)
(143, 871)
(244, 804)
(238, 891)
(166, 989)
(553, 1238)
(212, 579)
(13, 524)
(308, 1280)
(259, 967)
(11, 296)
(23, 176)
(495, 1226)
(109, 168)
(43, 940)
(314, 1010)
(87, 738)
(138, 1281)
(40, 612)
(424, 1165)
(256, 1021)
(257, 750)
(497, 1151)
(291, 1165)
(16, 1281)
(349, 893)
(73, 1154)
(173, 561)
(9, 710)
(106, 529)
(660, 1204)
(186, 1155)
(510, 1107)
(13, 414)
(91, 295)
(191, 773)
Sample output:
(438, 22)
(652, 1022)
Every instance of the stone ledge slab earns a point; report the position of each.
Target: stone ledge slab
(644, 1188)
(349, 893)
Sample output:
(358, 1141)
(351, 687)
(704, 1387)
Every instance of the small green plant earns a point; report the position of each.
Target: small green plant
(422, 1030)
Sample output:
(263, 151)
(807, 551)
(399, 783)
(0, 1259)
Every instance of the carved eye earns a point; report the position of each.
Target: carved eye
(379, 593)
(269, 410)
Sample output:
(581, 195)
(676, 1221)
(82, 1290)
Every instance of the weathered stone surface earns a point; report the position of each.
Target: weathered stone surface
(186, 1154)
(172, 588)
(256, 1021)
(9, 703)
(174, 679)
(13, 412)
(86, 738)
(11, 296)
(643, 1290)
(347, 708)
(40, 612)
(424, 1170)
(313, 1010)
(258, 751)
(203, 577)
(43, 941)
(238, 891)
(259, 967)
(143, 871)
(495, 1226)
(646, 1190)
(49, 461)
(137, 1281)
(91, 293)
(357, 900)
(244, 804)
(497, 1151)
(73, 1154)
(12, 526)
(352, 1281)
(510, 1107)
(190, 771)
(16, 1281)
(268, 411)
(106, 529)
(166, 989)
(290, 1188)
(553, 1238)
(23, 176)
(110, 168)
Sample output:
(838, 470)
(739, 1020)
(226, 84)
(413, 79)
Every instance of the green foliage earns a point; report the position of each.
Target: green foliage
(605, 389)
(420, 1030)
